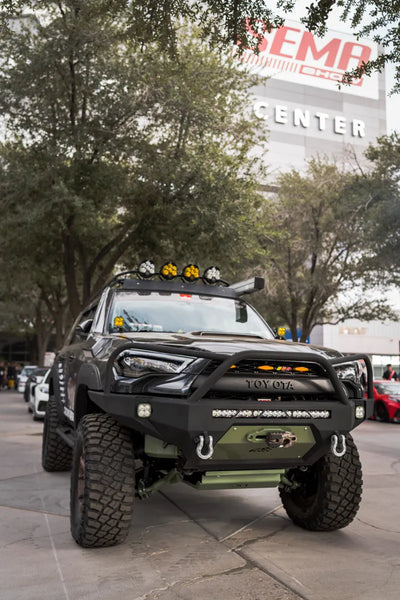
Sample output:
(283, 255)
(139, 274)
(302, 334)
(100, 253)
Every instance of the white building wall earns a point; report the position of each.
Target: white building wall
(380, 340)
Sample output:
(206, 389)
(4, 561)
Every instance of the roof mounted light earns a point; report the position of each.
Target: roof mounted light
(169, 270)
(146, 269)
(212, 275)
(191, 273)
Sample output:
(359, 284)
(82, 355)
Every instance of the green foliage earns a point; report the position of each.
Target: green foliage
(113, 153)
(318, 268)
(383, 182)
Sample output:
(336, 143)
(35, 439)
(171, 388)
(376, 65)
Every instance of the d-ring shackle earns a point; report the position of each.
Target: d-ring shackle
(334, 445)
(200, 447)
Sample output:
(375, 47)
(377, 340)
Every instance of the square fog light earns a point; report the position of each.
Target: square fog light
(143, 410)
(360, 412)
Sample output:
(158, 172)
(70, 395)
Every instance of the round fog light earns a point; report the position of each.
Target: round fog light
(143, 410)
(360, 412)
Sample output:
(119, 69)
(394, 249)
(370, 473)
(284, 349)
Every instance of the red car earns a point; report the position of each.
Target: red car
(387, 400)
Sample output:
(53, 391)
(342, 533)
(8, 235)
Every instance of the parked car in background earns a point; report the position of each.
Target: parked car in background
(39, 397)
(22, 379)
(34, 378)
(386, 401)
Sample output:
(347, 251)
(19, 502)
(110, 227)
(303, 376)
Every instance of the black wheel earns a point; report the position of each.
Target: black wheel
(381, 412)
(329, 494)
(102, 482)
(56, 454)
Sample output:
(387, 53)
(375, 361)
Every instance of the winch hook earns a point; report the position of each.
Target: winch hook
(204, 442)
(334, 445)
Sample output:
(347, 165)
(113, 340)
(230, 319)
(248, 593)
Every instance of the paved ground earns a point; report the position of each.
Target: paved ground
(186, 544)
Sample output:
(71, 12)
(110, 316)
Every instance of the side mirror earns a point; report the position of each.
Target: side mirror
(280, 333)
(82, 330)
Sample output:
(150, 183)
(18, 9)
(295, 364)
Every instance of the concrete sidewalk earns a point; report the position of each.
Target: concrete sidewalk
(184, 544)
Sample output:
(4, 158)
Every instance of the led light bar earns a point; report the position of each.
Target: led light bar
(248, 286)
(271, 414)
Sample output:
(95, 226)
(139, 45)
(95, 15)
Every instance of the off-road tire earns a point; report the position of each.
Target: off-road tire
(381, 412)
(330, 491)
(102, 482)
(56, 454)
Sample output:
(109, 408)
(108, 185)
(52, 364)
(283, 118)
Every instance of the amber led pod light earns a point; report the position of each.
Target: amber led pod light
(169, 270)
(191, 273)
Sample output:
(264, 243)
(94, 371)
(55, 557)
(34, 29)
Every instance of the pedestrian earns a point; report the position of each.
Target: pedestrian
(11, 375)
(390, 374)
(2, 374)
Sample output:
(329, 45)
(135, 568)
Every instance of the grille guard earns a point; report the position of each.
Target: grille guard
(227, 362)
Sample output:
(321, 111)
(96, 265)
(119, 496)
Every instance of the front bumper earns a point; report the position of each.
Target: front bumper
(180, 421)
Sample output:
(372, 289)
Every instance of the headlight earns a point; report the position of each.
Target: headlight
(394, 398)
(137, 364)
(43, 389)
(349, 371)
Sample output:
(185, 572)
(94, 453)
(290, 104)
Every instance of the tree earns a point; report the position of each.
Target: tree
(230, 22)
(114, 153)
(383, 183)
(319, 269)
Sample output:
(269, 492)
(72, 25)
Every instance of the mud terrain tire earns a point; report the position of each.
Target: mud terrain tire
(102, 482)
(330, 491)
(56, 454)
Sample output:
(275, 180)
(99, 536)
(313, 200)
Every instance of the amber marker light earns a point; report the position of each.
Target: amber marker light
(169, 270)
(191, 273)
(265, 368)
(301, 369)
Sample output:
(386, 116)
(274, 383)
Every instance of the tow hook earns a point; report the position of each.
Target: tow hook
(338, 450)
(205, 446)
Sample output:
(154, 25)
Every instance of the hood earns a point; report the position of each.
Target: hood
(227, 344)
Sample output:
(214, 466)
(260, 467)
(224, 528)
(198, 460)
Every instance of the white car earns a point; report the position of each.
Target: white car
(26, 371)
(38, 398)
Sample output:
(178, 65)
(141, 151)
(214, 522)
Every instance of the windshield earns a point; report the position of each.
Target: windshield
(182, 313)
(388, 388)
(28, 371)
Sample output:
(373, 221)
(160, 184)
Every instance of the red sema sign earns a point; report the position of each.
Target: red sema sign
(294, 54)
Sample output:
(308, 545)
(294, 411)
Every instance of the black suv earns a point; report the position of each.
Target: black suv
(171, 377)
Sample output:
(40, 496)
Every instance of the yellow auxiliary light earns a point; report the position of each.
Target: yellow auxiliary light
(265, 368)
(212, 275)
(191, 273)
(169, 270)
(281, 331)
(301, 369)
(118, 321)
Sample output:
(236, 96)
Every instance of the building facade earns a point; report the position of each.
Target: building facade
(380, 340)
(300, 102)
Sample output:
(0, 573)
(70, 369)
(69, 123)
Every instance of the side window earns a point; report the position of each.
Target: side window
(98, 322)
(82, 326)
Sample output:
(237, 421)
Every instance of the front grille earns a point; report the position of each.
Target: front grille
(278, 368)
(42, 406)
